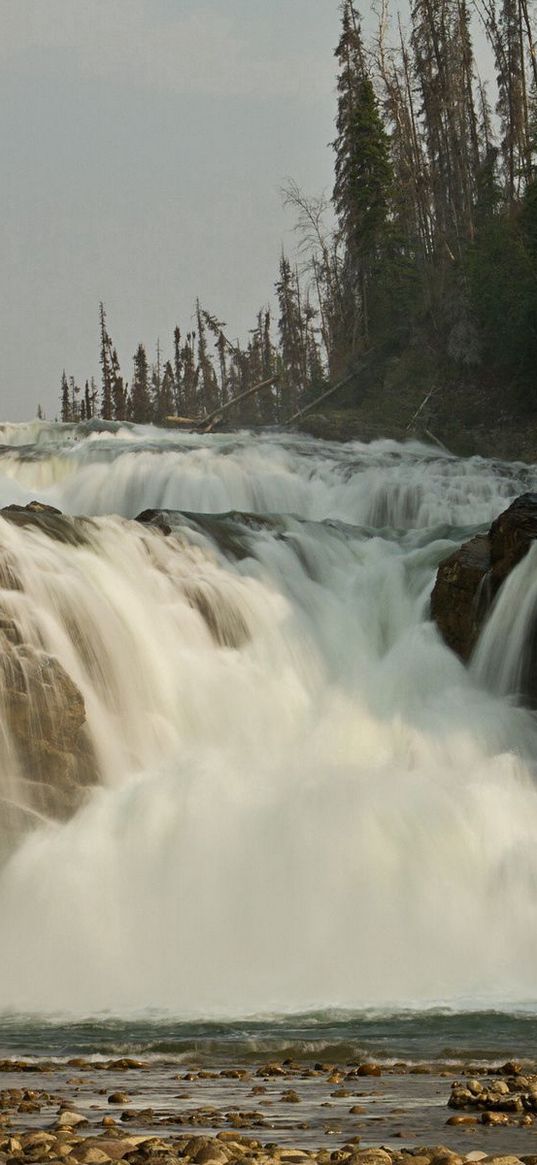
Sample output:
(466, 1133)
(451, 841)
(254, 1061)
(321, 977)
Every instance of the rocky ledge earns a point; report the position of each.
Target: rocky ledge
(46, 757)
(468, 581)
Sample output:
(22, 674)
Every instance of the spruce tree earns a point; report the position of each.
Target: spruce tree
(119, 403)
(190, 376)
(106, 366)
(88, 402)
(140, 395)
(178, 373)
(156, 385)
(167, 395)
(208, 386)
(291, 333)
(363, 169)
(65, 412)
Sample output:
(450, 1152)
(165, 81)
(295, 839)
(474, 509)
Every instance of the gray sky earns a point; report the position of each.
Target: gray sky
(144, 145)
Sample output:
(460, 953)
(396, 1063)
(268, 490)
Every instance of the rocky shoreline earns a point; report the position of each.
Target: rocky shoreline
(141, 1112)
(66, 1147)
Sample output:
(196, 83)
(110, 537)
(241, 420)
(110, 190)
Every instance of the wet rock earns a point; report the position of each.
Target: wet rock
(460, 1097)
(468, 581)
(70, 1120)
(155, 518)
(45, 746)
(369, 1069)
(474, 1086)
(33, 1139)
(444, 1156)
(462, 1119)
(370, 1157)
(224, 621)
(491, 1117)
(210, 1154)
(92, 1156)
(506, 1160)
(50, 521)
(460, 600)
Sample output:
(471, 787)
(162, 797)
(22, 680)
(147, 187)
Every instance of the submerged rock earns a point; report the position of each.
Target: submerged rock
(468, 582)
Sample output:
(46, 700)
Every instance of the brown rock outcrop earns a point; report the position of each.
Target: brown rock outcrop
(46, 758)
(469, 580)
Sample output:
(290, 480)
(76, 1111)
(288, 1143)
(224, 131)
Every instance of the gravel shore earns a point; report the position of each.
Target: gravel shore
(95, 1111)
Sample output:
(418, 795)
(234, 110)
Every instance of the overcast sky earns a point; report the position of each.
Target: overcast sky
(144, 145)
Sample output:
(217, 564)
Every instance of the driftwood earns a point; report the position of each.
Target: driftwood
(210, 421)
(183, 422)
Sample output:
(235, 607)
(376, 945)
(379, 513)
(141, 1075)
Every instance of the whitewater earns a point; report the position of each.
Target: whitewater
(305, 800)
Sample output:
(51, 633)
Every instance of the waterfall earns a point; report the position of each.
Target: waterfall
(292, 793)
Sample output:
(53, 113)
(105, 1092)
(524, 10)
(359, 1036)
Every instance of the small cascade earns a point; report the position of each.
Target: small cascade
(506, 652)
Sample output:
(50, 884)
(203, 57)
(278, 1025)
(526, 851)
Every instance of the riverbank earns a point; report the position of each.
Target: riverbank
(512, 441)
(416, 396)
(91, 1110)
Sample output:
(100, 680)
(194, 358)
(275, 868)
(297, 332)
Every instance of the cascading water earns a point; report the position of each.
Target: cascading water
(302, 797)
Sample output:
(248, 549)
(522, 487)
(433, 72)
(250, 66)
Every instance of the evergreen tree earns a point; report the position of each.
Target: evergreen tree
(140, 409)
(88, 402)
(106, 367)
(167, 395)
(208, 386)
(363, 169)
(178, 373)
(190, 376)
(291, 333)
(74, 391)
(156, 386)
(65, 407)
(119, 401)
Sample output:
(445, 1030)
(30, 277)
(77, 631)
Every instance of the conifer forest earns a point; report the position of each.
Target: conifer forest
(421, 264)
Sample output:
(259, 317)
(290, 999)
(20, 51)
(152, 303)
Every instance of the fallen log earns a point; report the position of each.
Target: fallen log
(329, 392)
(217, 413)
(182, 422)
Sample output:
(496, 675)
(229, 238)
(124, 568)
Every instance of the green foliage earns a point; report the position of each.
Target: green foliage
(362, 166)
(432, 263)
(502, 272)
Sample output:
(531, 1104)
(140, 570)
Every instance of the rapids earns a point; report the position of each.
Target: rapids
(305, 799)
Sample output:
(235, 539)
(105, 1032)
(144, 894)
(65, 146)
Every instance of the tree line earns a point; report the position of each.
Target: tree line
(206, 370)
(428, 241)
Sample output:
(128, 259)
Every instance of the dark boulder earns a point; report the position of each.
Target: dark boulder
(469, 580)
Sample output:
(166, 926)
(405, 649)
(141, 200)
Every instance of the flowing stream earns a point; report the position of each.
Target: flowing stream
(304, 799)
